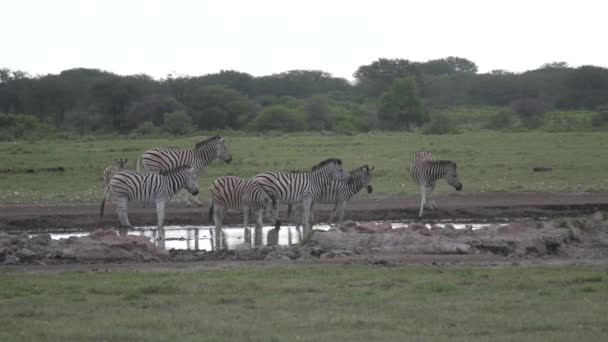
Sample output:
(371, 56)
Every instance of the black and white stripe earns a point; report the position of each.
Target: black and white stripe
(200, 157)
(426, 172)
(164, 158)
(108, 172)
(128, 186)
(241, 194)
(303, 187)
(340, 193)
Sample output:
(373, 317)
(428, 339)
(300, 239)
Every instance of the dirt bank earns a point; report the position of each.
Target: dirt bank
(457, 206)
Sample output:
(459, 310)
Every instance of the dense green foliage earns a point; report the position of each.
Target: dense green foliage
(90, 100)
(308, 303)
(487, 161)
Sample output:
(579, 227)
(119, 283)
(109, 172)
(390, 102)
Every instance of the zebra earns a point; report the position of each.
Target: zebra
(132, 185)
(303, 187)
(108, 172)
(230, 192)
(425, 172)
(340, 193)
(163, 159)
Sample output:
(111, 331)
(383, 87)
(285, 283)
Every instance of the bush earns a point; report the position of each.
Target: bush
(146, 128)
(177, 122)
(439, 124)
(531, 111)
(280, 118)
(503, 120)
(19, 126)
(601, 118)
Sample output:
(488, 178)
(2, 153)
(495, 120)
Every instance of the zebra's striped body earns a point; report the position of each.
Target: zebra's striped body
(303, 187)
(108, 172)
(426, 172)
(128, 186)
(163, 159)
(241, 194)
(340, 193)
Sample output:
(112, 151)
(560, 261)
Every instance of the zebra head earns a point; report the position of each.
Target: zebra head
(452, 177)
(366, 178)
(333, 168)
(221, 151)
(191, 181)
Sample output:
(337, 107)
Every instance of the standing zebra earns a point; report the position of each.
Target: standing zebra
(145, 187)
(302, 188)
(425, 172)
(237, 193)
(163, 159)
(108, 172)
(339, 193)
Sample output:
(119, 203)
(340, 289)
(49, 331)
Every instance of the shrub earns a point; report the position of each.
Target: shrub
(502, 120)
(280, 118)
(146, 128)
(601, 118)
(19, 126)
(177, 122)
(531, 111)
(439, 124)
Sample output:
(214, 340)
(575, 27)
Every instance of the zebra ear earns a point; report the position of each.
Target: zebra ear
(373, 168)
(221, 139)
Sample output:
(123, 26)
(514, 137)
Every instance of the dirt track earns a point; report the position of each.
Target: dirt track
(456, 206)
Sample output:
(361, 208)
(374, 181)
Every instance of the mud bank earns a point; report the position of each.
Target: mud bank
(567, 238)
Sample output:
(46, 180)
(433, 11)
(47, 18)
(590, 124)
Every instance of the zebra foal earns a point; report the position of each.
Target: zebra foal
(241, 194)
(108, 172)
(339, 193)
(303, 187)
(200, 157)
(426, 172)
(127, 186)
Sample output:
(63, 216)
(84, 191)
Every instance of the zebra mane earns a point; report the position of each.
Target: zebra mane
(174, 171)
(443, 162)
(327, 162)
(363, 167)
(207, 141)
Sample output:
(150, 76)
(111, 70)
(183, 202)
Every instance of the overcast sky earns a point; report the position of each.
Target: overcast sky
(263, 37)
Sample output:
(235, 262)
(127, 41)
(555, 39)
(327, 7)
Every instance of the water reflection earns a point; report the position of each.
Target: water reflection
(202, 237)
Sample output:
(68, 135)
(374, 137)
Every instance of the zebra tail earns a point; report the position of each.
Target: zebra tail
(106, 192)
(211, 212)
(277, 222)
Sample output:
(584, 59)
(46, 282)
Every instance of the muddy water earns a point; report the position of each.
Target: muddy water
(202, 237)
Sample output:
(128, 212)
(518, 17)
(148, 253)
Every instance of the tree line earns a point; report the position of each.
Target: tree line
(385, 94)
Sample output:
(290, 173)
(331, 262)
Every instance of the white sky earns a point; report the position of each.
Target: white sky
(262, 37)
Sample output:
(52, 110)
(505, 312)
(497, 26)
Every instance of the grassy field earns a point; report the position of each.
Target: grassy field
(309, 303)
(487, 161)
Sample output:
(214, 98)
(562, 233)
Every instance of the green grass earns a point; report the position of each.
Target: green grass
(309, 303)
(487, 161)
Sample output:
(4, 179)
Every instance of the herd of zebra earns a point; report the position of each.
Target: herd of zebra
(162, 172)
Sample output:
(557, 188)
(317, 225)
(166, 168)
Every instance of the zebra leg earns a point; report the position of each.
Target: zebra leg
(246, 231)
(432, 201)
(422, 199)
(218, 216)
(341, 207)
(160, 214)
(259, 224)
(122, 205)
(332, 214)
(306, 217)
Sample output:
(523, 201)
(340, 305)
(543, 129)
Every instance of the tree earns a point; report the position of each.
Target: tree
(448, 66)
(401, 106)
(374, 79)
(318, 113)
(177, 122)
(150, 108)
(531, 111)
(586, 86)
(280, 118)
(215, 107)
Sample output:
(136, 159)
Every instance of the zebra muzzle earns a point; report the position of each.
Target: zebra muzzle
(195, 192)
(458, 187)
(229, 159)
(369, 189)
